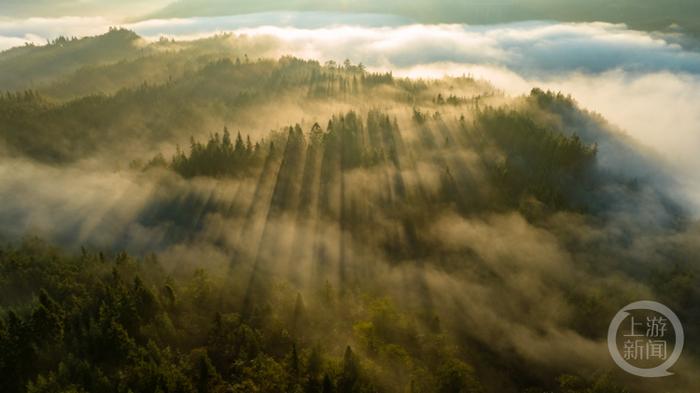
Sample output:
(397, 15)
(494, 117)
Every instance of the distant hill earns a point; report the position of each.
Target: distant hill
(31, 66)
(69, 68)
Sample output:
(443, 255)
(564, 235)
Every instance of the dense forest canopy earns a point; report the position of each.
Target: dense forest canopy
(199, 217)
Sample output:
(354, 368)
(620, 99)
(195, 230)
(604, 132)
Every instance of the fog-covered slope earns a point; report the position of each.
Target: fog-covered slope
(214, 221)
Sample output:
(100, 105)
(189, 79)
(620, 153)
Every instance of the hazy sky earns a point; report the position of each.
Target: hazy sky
(53, 8)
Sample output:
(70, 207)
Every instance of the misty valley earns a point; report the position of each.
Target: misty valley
(205, 216)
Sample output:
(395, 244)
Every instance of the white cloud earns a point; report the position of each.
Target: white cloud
(530, 48)
(658, 109)
(9, 42)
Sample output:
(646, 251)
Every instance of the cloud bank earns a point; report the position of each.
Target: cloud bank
(529, 48)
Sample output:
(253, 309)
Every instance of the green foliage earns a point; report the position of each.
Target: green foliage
(537, 161)
(97, 103)
(62, 56)
(105, 332)
(219, 157)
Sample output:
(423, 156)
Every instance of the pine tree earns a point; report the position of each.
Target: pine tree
(350, 374)
(327, 384)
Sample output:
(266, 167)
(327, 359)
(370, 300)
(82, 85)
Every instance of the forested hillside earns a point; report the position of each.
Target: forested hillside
(198, 217)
